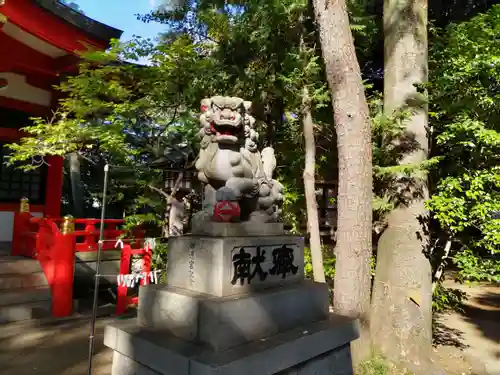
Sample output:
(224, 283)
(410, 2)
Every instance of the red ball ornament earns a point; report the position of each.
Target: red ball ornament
(226, 211)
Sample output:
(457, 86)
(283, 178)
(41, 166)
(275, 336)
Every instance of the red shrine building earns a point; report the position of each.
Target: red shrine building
(39, 45)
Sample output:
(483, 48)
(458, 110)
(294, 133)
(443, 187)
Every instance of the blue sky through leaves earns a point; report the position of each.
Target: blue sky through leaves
(122, 15)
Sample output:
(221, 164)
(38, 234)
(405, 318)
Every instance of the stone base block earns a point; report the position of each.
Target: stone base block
(334, 362)
(320, 348)
(244, 229)
(227, 266)
(226, 322)
(123, 365)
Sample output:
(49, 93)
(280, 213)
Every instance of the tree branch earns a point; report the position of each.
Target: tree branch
(159, 191)
(174, 117)
(442, 264)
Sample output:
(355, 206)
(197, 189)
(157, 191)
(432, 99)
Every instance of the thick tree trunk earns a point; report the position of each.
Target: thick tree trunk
(402, 297)
(310, 190)
(353, 127)
(76, 185)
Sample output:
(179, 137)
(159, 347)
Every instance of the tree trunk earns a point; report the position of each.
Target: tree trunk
(402, 297)
(441, 266)
(76, 185)
(310, 190)
(353, 127)
(175, 216)
(174, 213)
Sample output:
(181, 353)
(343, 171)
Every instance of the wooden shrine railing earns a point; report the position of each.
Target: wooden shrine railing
(54, 242)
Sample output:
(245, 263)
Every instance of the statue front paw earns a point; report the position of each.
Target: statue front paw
(226, 194)
(265, 190)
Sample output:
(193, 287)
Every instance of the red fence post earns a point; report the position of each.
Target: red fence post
(146, 265)
(63, 259)
(90, 239)
(121, 291)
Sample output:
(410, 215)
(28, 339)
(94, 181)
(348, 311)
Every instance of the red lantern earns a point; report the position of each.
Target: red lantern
(226, 211)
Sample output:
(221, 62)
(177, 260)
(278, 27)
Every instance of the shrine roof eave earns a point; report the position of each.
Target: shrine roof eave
(167, 164)
(90, 26)
(54, 27)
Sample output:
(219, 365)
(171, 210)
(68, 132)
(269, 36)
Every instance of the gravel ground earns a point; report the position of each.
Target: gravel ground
(55, 348)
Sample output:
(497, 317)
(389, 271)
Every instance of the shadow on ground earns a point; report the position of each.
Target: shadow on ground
(484, 313)
(489, 299)
(476, 329)
(447, 336)
(52, 347)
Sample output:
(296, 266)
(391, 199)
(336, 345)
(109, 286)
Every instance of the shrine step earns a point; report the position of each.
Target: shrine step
(22, 280)
(24, 303)
(18, 265)
(24, 291)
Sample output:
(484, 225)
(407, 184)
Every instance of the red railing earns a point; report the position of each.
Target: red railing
(87, 233)
(54, 242)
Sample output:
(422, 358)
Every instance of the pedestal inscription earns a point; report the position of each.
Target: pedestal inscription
(259, 263)
(226, 266)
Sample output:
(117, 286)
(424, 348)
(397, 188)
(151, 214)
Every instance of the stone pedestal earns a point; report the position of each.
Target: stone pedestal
(233, 305)
(206, 264)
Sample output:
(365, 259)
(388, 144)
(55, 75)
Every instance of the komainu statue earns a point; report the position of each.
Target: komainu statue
(239, 184)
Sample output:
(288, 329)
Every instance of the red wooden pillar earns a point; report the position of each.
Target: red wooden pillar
(54, 186)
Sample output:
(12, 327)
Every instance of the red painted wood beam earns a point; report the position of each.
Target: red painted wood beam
(40, 81)
(68, 63)
(47, 27)
(24, 57)
(34, 109)
(10, 134)
(29, 61)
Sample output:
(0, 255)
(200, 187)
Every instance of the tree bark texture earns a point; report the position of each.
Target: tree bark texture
(77, 193)
(310, 190)
(353, 127)
(402, 298)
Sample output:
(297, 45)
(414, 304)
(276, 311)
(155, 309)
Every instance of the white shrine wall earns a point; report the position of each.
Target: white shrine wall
(7, 224)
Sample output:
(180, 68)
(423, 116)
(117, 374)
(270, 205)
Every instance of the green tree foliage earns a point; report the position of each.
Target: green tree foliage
(125, 115)
(465, 104)
(266, 51)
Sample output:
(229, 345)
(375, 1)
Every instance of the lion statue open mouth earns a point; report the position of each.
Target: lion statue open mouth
(226, 119)
(238, 178)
